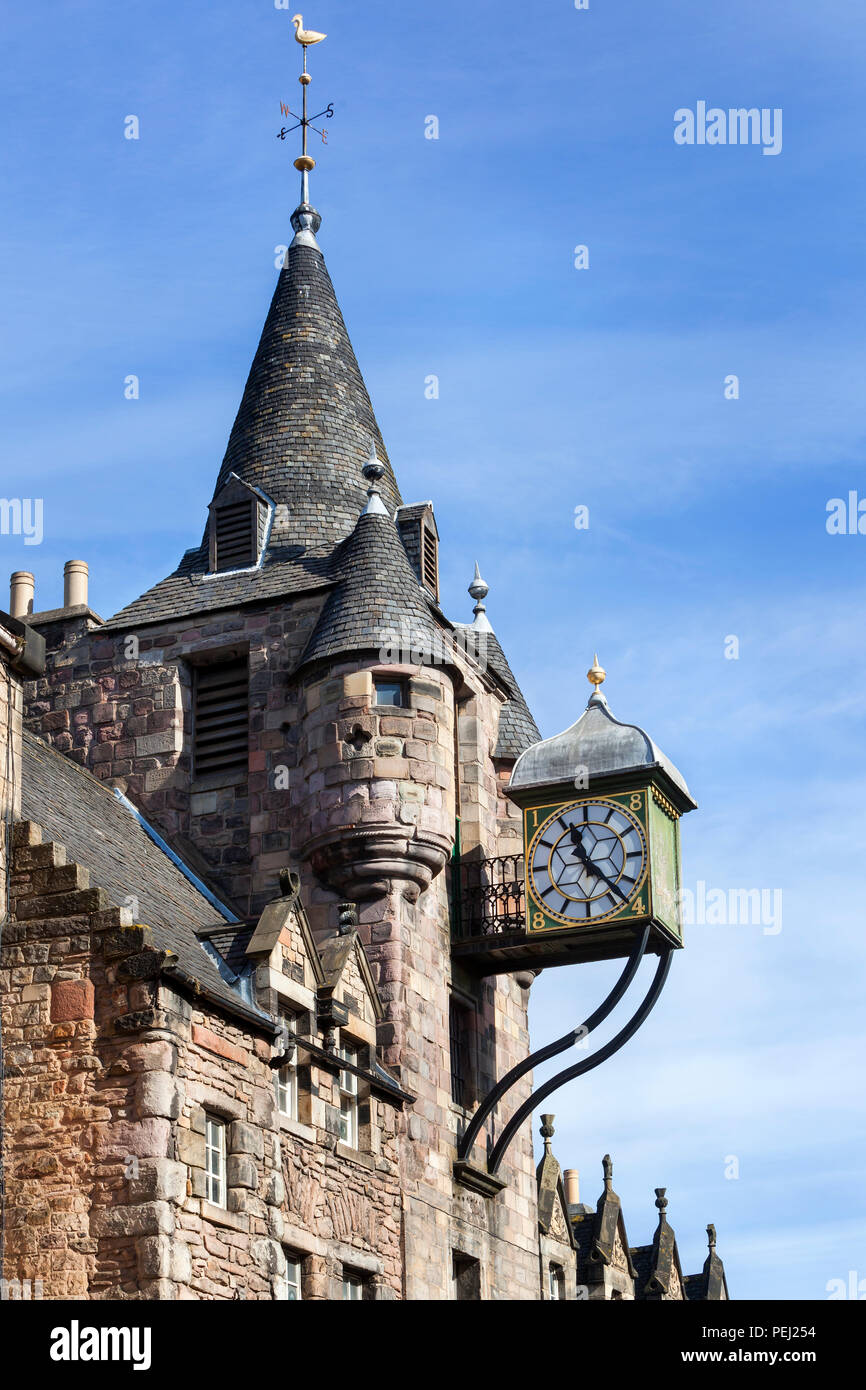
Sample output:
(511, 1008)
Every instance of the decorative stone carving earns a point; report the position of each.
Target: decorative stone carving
(362, 862)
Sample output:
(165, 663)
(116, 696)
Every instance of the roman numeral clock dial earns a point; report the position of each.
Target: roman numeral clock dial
(587, 863)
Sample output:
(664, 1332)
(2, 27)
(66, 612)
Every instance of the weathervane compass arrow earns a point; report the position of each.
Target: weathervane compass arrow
(305, 162)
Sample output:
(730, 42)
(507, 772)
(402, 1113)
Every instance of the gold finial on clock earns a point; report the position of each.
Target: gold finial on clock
(596, 674)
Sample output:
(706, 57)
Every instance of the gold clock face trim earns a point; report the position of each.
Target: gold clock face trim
(587, 862)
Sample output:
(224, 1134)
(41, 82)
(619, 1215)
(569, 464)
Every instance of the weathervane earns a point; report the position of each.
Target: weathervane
(305, 162)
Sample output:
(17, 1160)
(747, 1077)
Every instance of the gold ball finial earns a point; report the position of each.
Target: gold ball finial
(596, 674)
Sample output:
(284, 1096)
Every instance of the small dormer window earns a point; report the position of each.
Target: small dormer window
(234, 540)
(238, 526)
(417, 526)
(430, 559)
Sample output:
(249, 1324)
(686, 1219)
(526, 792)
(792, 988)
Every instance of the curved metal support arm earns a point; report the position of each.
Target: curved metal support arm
(492, 1099)
(580, 1068)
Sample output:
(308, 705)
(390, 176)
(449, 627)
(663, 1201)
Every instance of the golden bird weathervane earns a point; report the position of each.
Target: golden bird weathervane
(305, 162)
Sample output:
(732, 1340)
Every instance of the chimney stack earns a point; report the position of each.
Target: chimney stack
(22, 587)
(75, 584)
(571, 1179)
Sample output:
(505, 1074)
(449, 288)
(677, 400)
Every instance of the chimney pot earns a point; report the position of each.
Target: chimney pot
(571, 1180)
(75, 584)
(22, 587)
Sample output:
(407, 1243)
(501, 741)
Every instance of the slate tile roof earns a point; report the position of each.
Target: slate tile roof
(378, 601)
(287, 571)
(517, 728)
(101, 835)
(642, 1257)
(301, 435)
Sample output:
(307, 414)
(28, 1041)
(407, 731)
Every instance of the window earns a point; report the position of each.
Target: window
(460, 1028)
(349, 1098)
(215, 1160)
(353, 1287)
(221, 720)
(234, 535)
(555, 1281)
(289, 1278)
(390, 692)
(466, 1277)
(429, 560)
(286, 1076)
(286, 1089)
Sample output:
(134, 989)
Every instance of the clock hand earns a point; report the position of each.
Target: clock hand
(591, 865)
(580, 849)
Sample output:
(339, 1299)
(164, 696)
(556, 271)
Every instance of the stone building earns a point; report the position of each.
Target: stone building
(239, 1048)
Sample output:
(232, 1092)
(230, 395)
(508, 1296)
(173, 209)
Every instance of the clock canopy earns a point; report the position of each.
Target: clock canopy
(597, 746)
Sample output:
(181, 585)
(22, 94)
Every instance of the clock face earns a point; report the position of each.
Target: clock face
(587, 862)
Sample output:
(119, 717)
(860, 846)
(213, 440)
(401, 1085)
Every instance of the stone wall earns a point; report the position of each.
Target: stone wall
(363, 802)
(111, 1071)
(11, 708)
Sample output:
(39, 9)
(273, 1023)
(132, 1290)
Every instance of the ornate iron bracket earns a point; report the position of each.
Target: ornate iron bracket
(562, 1044)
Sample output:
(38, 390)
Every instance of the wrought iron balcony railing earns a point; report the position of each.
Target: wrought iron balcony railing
(487, 897)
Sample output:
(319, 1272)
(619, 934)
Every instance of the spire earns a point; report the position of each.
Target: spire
(305, 418)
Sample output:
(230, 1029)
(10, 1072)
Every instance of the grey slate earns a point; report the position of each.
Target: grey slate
(78, 811)
(377, 596)
(517, 728)
(301, 435)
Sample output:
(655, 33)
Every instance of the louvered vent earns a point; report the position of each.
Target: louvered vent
(221, 720)
(235, 536)
(429, 561)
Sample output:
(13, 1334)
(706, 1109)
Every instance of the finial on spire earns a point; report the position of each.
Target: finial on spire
(596, 675)
(305, 220)
(661, 1202)
(607, 1167)
(547, 1130)
(479, 591)
(711, 1236)
(373, 470)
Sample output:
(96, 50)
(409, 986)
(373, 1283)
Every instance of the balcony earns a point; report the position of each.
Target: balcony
(488, 923)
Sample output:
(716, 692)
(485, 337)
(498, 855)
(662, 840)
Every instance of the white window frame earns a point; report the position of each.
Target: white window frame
(286, 1076)
(349, 1097)
(289, 1286)
(286, 1090)
(215, 1160)
(353, 1287)
(555, 1281)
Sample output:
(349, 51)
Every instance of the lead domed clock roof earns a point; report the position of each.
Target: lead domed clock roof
(597, 743)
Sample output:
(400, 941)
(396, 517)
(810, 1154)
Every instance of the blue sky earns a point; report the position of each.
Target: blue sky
(558, 388)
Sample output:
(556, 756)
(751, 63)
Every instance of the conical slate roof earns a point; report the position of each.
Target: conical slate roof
(303, 429)
(378, 603)
(305, 422)
(517, 728)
